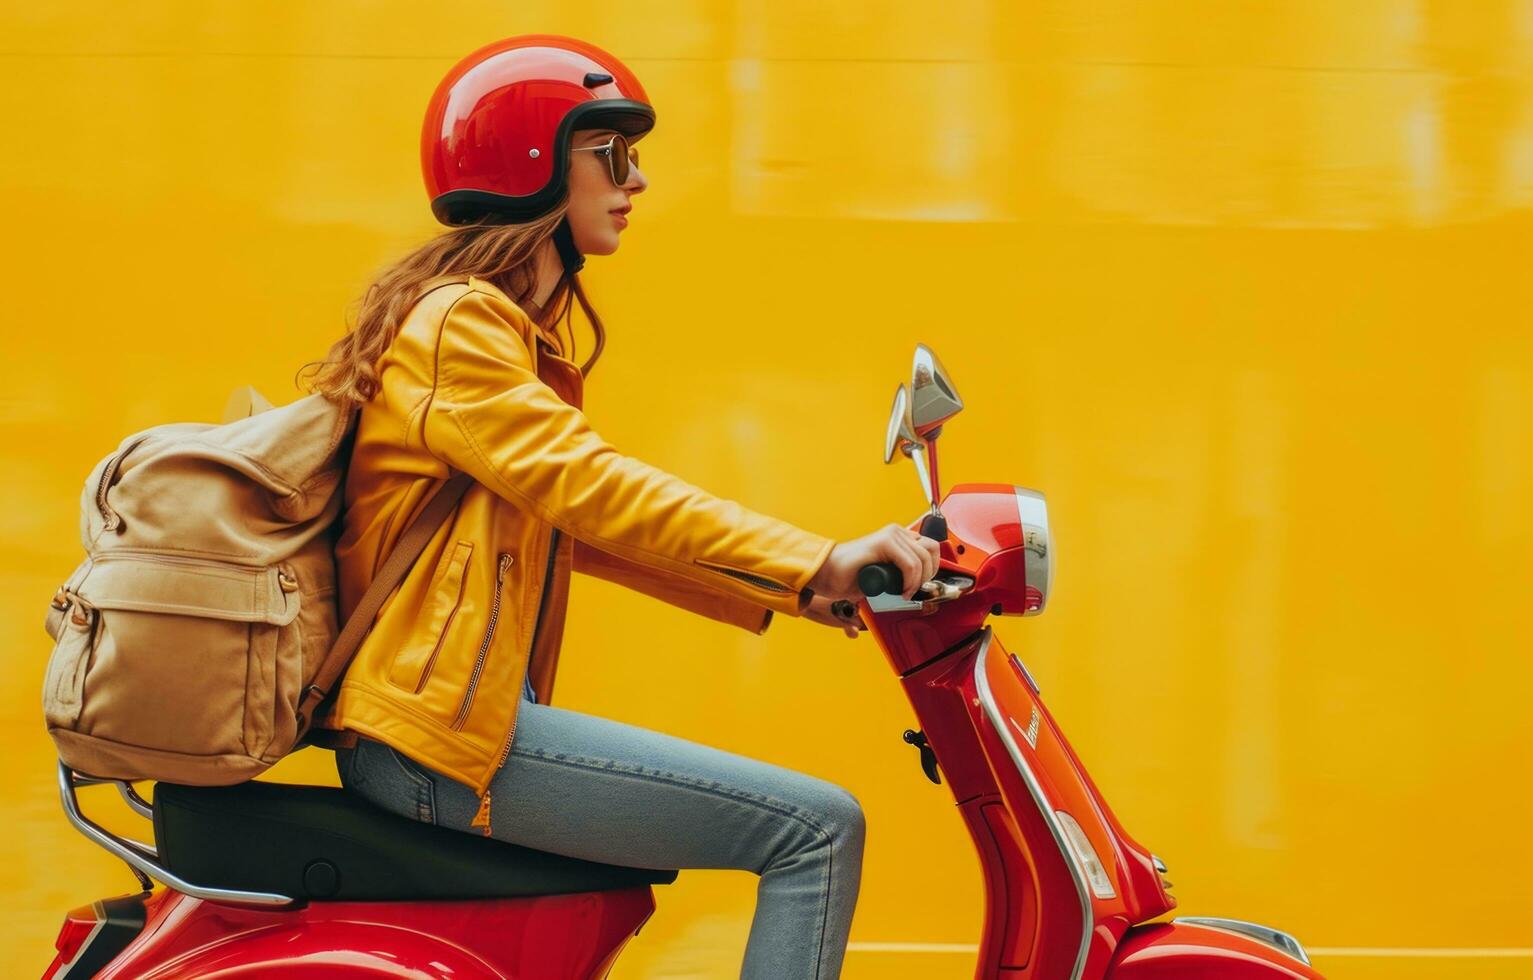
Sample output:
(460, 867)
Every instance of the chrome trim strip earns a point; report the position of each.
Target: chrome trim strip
(993, 715)
(142, 859)
(1276, 938)
(1016, 662)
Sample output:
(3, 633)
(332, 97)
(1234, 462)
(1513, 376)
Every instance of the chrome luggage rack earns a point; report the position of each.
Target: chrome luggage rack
(144, 859)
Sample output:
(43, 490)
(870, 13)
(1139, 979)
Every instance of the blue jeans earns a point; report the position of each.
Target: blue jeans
(593, 788)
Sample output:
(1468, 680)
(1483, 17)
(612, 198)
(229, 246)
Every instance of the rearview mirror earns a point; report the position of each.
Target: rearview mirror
(933, 399)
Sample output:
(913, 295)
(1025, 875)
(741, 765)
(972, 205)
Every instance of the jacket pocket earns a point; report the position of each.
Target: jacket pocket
(412, 664)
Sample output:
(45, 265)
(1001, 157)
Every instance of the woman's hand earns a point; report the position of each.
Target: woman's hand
(819, 611)
(916, 556)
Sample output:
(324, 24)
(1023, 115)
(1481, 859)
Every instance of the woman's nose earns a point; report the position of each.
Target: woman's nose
(636, 179)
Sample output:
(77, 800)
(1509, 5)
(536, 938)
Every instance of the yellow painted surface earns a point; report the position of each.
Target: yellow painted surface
(1242, 287)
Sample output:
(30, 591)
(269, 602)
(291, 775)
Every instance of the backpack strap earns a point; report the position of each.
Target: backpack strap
(410, 545)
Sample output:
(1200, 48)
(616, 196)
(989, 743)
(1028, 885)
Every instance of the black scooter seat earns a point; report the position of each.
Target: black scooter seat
(322, 842)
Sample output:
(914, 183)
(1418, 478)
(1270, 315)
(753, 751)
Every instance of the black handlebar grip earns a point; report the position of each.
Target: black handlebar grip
(880, 577)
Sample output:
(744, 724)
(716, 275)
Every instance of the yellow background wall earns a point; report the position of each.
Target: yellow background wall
(1242, 287)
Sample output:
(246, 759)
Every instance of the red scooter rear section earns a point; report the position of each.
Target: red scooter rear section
(554, 936)
(272, 880)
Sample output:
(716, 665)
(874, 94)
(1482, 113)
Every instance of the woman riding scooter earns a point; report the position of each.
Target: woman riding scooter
(458, 366)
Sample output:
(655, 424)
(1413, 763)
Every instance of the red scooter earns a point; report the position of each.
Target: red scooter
(268, 880)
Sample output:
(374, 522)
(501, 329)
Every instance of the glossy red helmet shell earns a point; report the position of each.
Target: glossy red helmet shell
(496, 140)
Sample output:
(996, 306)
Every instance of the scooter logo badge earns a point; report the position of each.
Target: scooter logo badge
(1031, 731)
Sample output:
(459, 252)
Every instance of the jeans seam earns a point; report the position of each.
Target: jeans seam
(819, 952)
(771, 803)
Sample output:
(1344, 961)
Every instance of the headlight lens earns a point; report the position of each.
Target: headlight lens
(1033, 512)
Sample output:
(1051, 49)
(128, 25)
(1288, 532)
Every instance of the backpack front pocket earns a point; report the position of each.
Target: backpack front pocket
(412, 663)
(182, 655)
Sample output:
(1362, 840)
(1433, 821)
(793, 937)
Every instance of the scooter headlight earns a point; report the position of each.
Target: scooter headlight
(1033, 513)
(1086, 856)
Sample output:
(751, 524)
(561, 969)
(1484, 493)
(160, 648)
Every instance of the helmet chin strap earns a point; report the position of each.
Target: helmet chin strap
(564, 241)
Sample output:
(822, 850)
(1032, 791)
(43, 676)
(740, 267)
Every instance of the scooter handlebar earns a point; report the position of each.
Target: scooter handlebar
(879, 577)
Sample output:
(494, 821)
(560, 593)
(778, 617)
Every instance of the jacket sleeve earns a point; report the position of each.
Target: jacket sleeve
(672, 588)
(491, 416)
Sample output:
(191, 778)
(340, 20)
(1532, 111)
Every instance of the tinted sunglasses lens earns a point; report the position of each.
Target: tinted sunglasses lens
(618, 161)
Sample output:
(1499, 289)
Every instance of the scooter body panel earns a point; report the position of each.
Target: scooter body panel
(544, 938)
(1030, 931)
(1179, 951)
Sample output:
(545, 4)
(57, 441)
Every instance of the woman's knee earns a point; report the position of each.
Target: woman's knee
(843, 818)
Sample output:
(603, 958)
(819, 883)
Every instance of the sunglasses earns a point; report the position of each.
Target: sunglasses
(618, 153)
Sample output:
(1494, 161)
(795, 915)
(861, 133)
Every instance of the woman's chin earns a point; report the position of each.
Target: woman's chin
(604, 243)
(601, 240)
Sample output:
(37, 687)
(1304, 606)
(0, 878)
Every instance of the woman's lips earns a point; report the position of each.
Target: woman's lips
(621, 217)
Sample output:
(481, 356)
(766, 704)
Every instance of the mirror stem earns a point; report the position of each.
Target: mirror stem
(936, 486)
(917, 454)
(933, 525)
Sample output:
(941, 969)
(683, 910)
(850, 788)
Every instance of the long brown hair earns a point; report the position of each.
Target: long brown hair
(501, 254)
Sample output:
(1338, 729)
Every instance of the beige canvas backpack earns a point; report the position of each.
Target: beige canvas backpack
(198, 636)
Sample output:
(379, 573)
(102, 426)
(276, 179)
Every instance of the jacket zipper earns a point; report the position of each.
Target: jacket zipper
(761, 581)
(484, 645)
(482, 818)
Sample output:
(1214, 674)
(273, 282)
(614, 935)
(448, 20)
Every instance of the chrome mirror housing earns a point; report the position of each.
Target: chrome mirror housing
(933, 399)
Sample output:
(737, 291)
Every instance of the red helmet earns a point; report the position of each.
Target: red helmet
(497, 135)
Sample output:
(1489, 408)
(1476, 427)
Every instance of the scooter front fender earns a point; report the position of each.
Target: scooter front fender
(1183, 950)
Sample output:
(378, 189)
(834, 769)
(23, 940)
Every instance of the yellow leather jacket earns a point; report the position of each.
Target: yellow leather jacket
(471, 384)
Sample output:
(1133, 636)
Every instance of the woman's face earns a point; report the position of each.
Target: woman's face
(595, 201)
